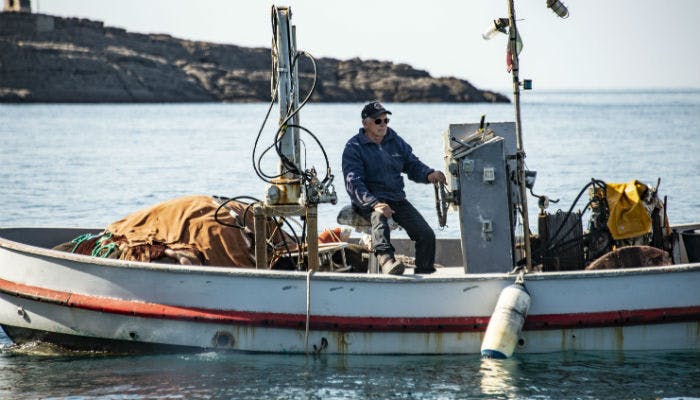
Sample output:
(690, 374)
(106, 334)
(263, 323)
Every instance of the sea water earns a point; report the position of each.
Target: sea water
(86, 165)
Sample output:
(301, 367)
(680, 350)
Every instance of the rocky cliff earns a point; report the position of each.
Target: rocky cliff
(52, 59)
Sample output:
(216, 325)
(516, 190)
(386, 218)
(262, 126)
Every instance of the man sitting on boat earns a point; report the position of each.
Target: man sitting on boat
(373, 161)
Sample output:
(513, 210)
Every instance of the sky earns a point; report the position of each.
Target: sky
(603, 44)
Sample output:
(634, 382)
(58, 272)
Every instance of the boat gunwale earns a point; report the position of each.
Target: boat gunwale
(326, 275)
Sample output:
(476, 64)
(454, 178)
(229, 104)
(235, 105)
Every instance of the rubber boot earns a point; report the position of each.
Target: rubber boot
(389, 264)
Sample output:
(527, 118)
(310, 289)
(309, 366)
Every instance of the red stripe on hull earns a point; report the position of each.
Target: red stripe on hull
(345, 324)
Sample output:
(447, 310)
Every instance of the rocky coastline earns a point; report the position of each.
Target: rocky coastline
(45, 58)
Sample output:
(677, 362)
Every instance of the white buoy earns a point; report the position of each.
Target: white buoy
(506, 322)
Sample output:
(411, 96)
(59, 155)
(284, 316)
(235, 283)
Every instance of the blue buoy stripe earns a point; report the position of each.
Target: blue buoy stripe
(493, 354)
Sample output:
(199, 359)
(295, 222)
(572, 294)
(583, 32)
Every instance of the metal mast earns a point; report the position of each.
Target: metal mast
(283, 196)
(288, 83)
(513, 46)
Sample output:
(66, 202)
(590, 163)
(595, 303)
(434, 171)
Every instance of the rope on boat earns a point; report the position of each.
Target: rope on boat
(308, 310)
(102, 246)
(441, 203)
(82, 238)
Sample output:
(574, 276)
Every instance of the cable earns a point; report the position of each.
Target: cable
(287, 165)
(593, 182)
(239, 225)
(242, 224)
(555, 241)
(313, 85)
(256, 168)
(441, 204)
(560, 243)
(323, 150)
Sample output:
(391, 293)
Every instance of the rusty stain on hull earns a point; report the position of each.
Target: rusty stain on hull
(568, 339)
(244, 336)
(438, 342)
(341, 342)
(619, 338)
(433, 342)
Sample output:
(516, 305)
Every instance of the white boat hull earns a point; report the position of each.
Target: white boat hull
(88, 302)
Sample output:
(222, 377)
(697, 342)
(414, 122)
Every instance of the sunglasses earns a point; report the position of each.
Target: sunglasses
(379, 121)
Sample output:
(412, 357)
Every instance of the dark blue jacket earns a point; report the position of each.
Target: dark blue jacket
(373, 171)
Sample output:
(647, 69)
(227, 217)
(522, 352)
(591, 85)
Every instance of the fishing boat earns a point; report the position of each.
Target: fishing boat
(559, 303)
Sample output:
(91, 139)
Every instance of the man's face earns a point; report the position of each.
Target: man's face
(374, 129)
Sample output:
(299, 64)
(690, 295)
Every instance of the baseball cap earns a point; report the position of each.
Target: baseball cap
(373, 110)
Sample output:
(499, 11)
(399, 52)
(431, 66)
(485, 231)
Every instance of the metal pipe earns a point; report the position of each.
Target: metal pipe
(295, 98)
(513, 46)
(259, 217)
(285, 82)
(312, 237)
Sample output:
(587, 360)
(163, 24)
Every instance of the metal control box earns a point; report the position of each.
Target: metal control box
(484, 212)
(485, 194)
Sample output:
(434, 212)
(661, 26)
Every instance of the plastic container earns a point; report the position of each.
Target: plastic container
(691, 240)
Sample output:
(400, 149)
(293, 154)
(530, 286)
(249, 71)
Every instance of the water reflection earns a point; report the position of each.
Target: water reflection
(25, 375)
(499, 378)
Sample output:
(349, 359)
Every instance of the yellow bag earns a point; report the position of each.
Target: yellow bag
(628, 217)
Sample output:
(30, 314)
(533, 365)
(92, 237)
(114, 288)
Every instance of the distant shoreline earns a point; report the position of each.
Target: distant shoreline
(51, 59)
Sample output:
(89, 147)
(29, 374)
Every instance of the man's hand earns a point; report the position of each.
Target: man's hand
(436, 177)
(384, 209)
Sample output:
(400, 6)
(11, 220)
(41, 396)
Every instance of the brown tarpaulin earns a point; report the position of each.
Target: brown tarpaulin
(187, 223)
